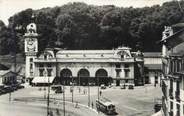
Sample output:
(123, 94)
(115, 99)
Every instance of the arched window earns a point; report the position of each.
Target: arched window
(101, 73)
(83, 73)
(65, 73)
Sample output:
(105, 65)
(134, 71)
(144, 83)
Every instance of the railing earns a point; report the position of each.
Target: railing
(45, 60)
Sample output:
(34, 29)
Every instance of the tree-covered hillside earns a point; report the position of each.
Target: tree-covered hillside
(82, 26)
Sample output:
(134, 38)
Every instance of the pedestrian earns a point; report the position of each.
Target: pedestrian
(57, 111)
(79, 89)
(51, 113)
(76, 105)
(100, 93)
(92, 105)
(155, 84)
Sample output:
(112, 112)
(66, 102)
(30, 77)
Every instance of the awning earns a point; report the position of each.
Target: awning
(43, 79)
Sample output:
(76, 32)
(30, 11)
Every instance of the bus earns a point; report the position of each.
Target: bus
(106, 106)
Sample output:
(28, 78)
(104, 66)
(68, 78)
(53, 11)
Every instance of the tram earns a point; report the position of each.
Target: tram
(106, 106)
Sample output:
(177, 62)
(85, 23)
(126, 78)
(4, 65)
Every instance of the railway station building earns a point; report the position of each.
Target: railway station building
(81, 67)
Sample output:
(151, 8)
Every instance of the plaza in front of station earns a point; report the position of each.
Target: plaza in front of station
(129, 102)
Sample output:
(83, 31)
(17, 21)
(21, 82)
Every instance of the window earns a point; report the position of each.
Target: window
(31, 66)
(31, 59)
(118, 73)
(127, 73)
(31, 73)
(117, 65)
(41, 65)
(45, 56)
(126, 66)
(49, 65)
(171, 105)
(178, 85)
(41, 72)
(178, 109)
(49, 71)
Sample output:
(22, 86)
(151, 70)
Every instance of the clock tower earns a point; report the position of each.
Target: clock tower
(31, 50)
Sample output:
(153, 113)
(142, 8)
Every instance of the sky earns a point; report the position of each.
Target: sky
(10, 7)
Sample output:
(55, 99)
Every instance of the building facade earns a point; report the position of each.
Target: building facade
(153, 64)
(8, 77)
(173, 72)
(81, 67)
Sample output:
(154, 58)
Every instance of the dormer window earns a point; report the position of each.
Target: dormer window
(49, 65)
(45, 56)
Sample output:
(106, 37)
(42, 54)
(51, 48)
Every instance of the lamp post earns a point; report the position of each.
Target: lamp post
(88, 93)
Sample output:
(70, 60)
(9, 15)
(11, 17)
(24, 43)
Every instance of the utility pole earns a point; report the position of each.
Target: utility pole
(64, 97)
(48, 99)
(72, 88)
(88, 93)
(13, 50)
(98, 87)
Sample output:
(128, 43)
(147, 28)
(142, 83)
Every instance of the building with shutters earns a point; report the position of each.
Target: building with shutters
(173, 71)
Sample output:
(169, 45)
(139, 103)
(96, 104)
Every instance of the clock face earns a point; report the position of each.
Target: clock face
(30, 41)
(30, 44)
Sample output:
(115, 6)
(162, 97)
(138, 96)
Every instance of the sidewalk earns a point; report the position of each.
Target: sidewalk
(159, 113)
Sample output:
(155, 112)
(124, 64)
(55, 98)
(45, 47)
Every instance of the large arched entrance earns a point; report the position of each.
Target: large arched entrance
(101, 76)
(65, 76)
(83, 77)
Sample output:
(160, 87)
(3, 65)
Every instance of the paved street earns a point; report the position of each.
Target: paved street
(137, 102)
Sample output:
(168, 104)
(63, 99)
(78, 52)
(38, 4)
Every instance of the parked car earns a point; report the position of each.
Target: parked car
(2, 91)
(57, 88)
(58, 91)
(123, 86)
(103, 86)
(20, 86)
(131, 87)
(8, 89)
